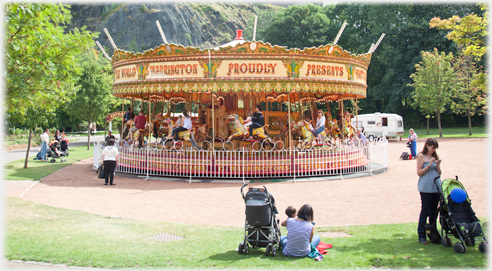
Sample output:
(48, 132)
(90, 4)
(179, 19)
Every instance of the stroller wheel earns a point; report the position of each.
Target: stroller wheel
(246, 249)
(459, 248)
(445, 241)
(274, 251)
(483, 247)
(240, 248)
(268, 248)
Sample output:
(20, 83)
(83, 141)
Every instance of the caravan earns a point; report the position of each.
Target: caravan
(379, 124)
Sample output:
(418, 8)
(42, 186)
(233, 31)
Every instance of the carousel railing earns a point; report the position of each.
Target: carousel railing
(253, 162)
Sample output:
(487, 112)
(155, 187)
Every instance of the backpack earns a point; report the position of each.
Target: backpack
(404, 155)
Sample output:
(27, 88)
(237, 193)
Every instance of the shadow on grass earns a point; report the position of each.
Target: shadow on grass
(406, 252)
(233, 255)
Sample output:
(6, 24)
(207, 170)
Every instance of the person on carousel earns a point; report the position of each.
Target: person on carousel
(248, 121)
(257, 121)
(129, 115)
(320, 124)
(183, 126)
(140, 121)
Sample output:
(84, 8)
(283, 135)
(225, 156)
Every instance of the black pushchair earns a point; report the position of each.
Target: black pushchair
(53, 152)
(458, 219)
(261, 227)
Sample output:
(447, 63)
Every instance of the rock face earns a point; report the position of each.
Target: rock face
(133, 26)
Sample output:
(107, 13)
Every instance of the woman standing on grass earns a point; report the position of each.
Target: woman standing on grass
(428, 169)
(110, 158)
(300, 234)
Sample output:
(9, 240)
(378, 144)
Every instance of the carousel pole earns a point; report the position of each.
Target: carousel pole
(343, 121)
(356, 115)
(213, 124)
(150, 124)
(213, 109)
(123, 119)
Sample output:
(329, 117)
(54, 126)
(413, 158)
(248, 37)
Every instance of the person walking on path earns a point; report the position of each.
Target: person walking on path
(412, 138)
(45, 140)
(428, 169)
(110, 160)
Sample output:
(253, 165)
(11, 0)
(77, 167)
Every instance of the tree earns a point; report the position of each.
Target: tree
(433, 81)
(407, 34)
(40, 60)
(469, 31)
(298, 26)
(469, 95)
(94, 98)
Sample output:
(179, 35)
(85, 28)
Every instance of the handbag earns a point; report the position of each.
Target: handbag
(409, 144)
(101, 171)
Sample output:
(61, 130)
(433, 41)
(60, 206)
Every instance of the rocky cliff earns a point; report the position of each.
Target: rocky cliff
(133, 26)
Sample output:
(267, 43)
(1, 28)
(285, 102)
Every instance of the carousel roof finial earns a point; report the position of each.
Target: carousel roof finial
(254, 31)
(161, 32)
(340, 33)
(370, 48)
(377, 43)
(102, 49)
(110, 39)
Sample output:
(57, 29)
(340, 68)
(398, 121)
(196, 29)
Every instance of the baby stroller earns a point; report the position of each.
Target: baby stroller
(64, 145)
(53, 152)
(261, 228)
(458, 218)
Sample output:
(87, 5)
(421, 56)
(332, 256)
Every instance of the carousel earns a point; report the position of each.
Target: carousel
(220, 88)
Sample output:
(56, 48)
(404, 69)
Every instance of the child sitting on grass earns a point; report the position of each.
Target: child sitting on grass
(290, 212)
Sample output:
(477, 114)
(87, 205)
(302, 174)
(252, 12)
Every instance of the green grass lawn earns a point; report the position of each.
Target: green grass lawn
(36, 232)
(453, 132)
(38, 169)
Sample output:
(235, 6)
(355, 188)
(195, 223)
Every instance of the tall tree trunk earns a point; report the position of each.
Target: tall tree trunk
(28, 148)
(469, 124)
(439, 122)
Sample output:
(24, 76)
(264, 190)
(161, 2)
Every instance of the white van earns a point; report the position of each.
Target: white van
(379, 124)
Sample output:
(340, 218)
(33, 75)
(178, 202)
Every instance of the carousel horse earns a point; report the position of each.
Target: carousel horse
(333, 128)
(200, 132)
(349, 131)
(236, 125)
(308, 135)
(184, 136)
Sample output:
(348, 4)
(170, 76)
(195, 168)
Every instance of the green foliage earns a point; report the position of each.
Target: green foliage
(144, 8)
(469, 95)
(433, 81)
(264, 21)
(407, 34)
(40, 59)
(94, 99)
(299, 26)
(469, 31)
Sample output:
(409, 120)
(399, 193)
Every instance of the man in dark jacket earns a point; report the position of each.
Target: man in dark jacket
(258, 121)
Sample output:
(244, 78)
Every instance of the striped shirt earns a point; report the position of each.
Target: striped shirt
(298, 235)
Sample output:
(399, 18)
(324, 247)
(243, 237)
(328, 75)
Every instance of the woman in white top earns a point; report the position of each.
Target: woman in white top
(320, 123)
(110, 158)
(186, 125)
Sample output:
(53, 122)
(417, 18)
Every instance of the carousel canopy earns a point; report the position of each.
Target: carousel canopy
(171, 71)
